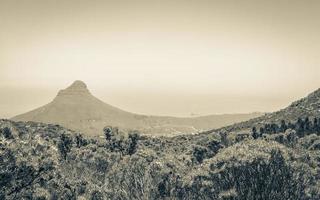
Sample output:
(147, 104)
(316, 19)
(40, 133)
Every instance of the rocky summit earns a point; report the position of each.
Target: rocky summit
(76, 88)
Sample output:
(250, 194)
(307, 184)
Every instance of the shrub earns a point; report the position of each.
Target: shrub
(254, 170)
(110, 131)
(64, 145)
(7, 133)
(133, 141)
(199, 153)
(96, 195)
(80, 141)
(255, 134)
(224, 138)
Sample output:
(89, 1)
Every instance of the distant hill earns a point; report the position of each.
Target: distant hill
(76, 108)
(305, 107)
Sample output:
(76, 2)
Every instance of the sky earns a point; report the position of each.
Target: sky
(167, 57)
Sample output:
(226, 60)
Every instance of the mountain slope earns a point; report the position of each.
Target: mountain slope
(308, 106)
(76, 108)
(45, 161)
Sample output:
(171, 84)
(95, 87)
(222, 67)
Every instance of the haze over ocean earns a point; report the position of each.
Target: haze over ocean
(173, 58)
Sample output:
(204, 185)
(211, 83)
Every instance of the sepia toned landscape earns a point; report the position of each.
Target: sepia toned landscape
(144, 100)
(76, 108)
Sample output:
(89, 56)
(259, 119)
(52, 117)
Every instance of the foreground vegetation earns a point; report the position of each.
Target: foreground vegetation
(41, 161)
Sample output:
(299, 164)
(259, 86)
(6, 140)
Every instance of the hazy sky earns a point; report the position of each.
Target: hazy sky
(162, 57)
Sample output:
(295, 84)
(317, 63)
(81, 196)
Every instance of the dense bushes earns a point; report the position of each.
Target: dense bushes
(205, 150)
(64, 145)
(301, 126)
(121, 142)
(251, 170)
(132, 143)
(14, 176)
(96, 195)
(80, 141)
(52, 163)
(199, 153)
(7, 133)
(7, 168)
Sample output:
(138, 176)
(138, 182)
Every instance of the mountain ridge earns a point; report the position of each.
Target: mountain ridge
(76, 108)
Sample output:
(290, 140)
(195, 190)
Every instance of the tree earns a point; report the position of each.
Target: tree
(214, 146)
(96, 195)
(308, 125)
(199, 153)
(315, 125)
(80, 141)
(133, 142)
(64, 145)
(224, 138)
(277, 159)
(267, 128)
(108, 133)
(291, 136)
(7, 133)
(291, 126)
(274, 128)
(283, 126)
(255, 134)
(300, 127)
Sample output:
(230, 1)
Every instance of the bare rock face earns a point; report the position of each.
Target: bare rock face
(76, 88)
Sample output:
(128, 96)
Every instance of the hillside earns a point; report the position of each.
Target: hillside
(308, 106)
(44, 161)
(76, 108)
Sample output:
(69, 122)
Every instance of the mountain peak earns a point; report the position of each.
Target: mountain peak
(76, 88)
(78, 85)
